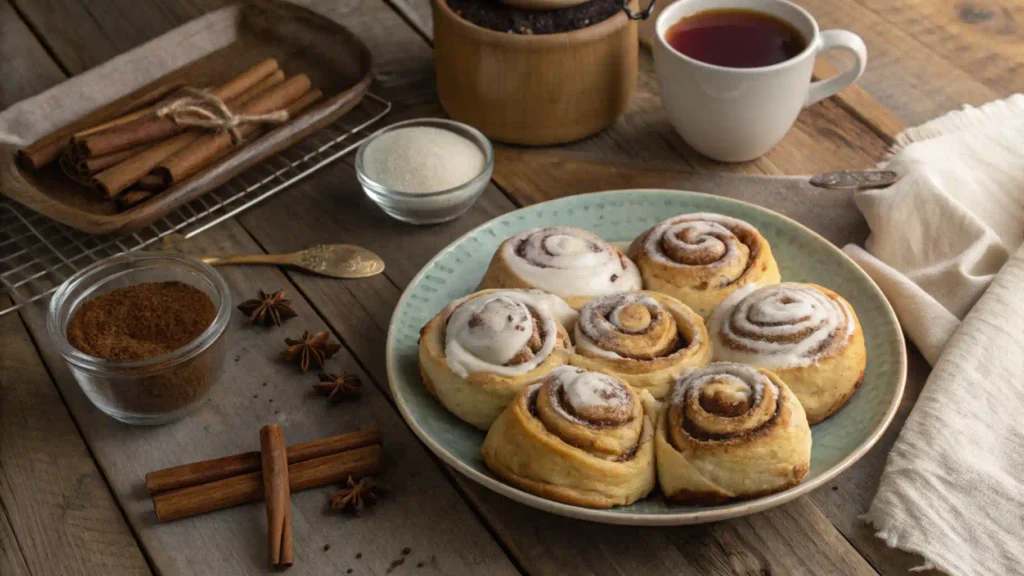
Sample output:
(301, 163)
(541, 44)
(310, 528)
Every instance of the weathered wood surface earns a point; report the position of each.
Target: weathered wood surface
(57, 515)
(52, 497)
(912, 72)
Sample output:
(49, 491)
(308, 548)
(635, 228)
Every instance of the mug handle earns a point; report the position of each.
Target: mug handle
(843, 40)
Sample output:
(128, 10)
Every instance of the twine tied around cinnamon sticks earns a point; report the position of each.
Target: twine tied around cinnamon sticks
(204, 109)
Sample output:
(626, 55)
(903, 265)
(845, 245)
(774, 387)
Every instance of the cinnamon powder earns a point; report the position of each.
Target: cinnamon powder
(145, 321)
(141, 321)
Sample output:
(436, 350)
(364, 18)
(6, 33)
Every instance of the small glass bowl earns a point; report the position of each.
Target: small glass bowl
(155, 390)
(432, 207)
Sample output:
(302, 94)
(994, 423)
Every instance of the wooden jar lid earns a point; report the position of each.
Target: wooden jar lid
(543, 4)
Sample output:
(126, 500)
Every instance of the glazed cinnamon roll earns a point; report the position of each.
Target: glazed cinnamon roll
(806, 334)
(481, 350)
(579, 437)
(644, 338)
(730, 432)
(567, 262)
(700, 259)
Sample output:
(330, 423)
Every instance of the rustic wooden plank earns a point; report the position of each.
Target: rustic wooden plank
(983, 39)
(82, 34)
(423, 512)
(12, 560)
(904, 74)
(59, 507)
(27, 69)
(57, 514)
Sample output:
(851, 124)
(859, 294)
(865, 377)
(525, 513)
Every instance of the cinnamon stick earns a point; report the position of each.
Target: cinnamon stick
(152, 128)
(268, 82)
(220, 468)
(236, 490)
(90, 166)
(119, 177)
(292, 96)
(150, 184)
(47, 149)
(132, 198)
(277, 495)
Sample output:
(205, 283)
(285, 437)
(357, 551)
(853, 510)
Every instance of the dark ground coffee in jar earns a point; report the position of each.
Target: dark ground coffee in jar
(146, 321)
(496, 15)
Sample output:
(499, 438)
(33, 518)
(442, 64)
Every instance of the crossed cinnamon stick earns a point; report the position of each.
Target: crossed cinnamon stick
(272, 474)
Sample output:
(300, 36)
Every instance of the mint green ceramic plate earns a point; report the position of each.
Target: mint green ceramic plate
(618, 216)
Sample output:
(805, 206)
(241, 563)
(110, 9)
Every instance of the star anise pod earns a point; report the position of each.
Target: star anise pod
(356, 496)
(310, 350)
(268, 309)
(338, 388)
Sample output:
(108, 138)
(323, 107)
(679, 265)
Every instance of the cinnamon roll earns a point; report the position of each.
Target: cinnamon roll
(579, 437)
(644, 338)
(807, 334)
(700, 259)
(568, 262)
(730, 432)
(481, 350)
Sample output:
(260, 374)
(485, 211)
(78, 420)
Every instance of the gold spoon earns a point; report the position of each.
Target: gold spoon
(334, 260)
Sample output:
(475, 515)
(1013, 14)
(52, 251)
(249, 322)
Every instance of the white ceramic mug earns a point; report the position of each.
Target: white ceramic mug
(738, 114)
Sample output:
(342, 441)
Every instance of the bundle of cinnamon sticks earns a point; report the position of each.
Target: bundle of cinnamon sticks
(146, 150)
(271, 474)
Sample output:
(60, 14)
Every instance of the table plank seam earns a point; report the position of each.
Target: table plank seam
(39, 38)
(88, 447)
(6, 518)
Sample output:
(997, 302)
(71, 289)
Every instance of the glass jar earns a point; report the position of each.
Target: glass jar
(154, 390)
(431, 207)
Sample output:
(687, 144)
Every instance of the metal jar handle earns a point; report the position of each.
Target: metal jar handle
(641, 15)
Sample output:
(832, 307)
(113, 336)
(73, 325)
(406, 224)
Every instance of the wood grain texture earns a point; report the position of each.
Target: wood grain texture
(57, 514)
(27, 69)
(51, 493)
(422, 512)
(12, 560)
(903, 73)
(983, 38)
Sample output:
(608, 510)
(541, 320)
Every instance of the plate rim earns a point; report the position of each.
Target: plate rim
(606, 516)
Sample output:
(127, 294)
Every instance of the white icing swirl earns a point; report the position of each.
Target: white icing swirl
(602, 316)
(584, 391)
(703, 239)
(781, 326)
(570, 262)
(486, 333)
(736, 381)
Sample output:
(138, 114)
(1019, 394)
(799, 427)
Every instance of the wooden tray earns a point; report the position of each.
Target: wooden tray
(335, 60)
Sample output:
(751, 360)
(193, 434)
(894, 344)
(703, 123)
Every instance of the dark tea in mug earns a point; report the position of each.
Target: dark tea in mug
(736, 38)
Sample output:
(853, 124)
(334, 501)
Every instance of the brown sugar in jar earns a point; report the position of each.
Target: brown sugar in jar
(141, 321)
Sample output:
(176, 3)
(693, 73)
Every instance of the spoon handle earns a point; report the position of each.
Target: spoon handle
(225, 260)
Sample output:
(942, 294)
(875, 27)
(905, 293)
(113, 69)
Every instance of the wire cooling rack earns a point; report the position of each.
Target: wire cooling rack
(37, 254)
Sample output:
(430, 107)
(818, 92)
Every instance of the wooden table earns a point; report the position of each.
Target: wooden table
(71, 496)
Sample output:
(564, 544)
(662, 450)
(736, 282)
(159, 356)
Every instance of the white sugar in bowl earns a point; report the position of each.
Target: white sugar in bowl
(425, 171)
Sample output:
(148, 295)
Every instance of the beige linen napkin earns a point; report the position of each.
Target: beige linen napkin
(945, 247)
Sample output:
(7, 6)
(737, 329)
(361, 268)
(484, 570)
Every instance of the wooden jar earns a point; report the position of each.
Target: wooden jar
(543, 89)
